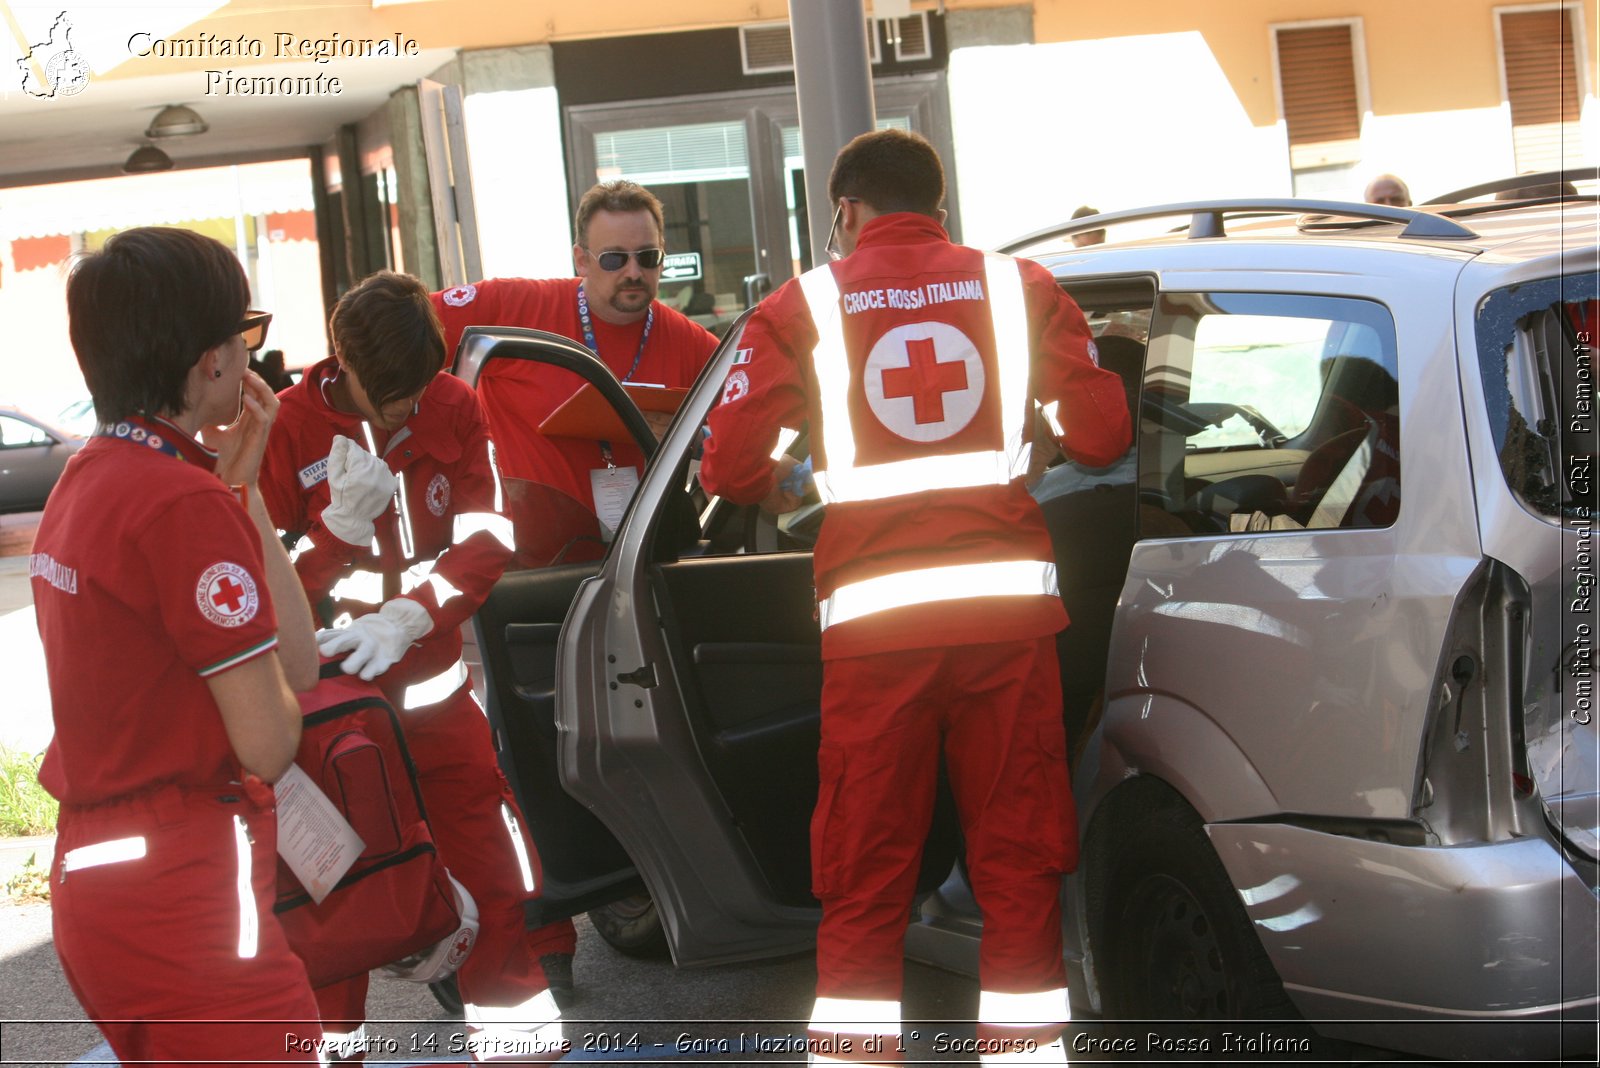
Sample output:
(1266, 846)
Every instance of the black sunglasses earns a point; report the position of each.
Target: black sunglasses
(254, 329)
(649, 259)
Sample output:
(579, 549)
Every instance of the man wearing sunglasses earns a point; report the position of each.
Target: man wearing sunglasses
(611, 307)
(916, 363)
(569, 486)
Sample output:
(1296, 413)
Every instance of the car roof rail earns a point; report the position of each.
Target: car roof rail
(1207, 218)
(1542, 179)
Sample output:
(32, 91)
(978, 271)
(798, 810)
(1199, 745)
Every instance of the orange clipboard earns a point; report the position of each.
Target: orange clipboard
(586, 414)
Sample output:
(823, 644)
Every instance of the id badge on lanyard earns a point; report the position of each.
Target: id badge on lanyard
(613, 489)
(613, 486)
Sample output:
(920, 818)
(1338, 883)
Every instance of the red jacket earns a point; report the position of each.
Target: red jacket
(518, 396)
(924, 382)
(459, 541)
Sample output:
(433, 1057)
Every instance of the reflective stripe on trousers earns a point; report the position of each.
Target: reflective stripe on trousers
(136, 847)
(855, 1031)
(843, 479)
(530, 1031)
(432, 691)
(1022, 1028)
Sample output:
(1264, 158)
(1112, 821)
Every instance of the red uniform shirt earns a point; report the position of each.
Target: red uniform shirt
(518, 396)
(906, 275)
(442, 457)
(147, 579)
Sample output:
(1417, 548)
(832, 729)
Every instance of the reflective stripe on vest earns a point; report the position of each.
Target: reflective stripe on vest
(901, 589)
(843, 479)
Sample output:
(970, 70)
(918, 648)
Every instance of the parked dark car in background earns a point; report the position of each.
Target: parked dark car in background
(33, 454)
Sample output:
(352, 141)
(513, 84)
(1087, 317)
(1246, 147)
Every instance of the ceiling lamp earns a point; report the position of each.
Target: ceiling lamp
(147, 159)
(176, 120)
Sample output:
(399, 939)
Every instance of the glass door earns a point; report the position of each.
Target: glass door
(729, 173)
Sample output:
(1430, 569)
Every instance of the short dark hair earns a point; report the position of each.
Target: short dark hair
(144, 309)
(1084, 211)
(889, 170)
(619, 195)
(386, 331)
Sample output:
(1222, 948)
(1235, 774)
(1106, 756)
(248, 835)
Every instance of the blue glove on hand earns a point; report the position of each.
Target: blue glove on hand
(799, 481)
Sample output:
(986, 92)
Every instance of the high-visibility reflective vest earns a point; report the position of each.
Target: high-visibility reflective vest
(842, 480)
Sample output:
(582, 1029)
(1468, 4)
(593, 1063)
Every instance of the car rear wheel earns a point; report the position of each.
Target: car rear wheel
(632, 926)
(1173, 941)
(448, 994)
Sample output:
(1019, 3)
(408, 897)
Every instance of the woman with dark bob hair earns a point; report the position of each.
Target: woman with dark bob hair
(175, 637)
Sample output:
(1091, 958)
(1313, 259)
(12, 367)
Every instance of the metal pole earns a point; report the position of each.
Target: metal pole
(833, 84)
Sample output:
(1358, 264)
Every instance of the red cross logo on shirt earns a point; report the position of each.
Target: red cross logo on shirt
(925, 381)
(227, 594)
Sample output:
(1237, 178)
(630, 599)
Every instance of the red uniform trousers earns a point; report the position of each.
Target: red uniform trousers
(464, 790)
(176, 955)
(995, 709)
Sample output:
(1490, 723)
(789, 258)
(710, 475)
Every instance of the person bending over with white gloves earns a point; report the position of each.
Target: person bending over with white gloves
(379, 466)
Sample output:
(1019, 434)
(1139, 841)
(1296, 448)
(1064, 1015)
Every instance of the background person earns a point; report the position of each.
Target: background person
(1389, 190)
(271, 368)
(934, 575)
(1088, 237)
(174, 636)
(611, 307)
(423, 490)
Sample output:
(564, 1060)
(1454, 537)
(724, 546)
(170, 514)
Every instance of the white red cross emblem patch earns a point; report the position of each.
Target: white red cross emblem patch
(226, 595)
(924, 381)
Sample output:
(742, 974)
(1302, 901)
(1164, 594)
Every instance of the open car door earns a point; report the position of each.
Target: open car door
(687, 715)
(516, 630)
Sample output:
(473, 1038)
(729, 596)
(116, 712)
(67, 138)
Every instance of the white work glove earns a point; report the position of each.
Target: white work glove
(378, 639)
(361, 486)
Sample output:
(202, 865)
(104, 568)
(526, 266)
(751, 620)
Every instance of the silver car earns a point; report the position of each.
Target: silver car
(1329, 682)
(33, 453)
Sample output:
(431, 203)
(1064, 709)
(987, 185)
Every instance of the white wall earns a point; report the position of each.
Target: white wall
(1116, 123)
(1436, 152)
(519, 183)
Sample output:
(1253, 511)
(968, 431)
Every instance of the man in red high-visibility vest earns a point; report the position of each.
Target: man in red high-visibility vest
(917, 362)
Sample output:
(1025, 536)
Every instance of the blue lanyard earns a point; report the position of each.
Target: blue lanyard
(139, 435)
(588, 331)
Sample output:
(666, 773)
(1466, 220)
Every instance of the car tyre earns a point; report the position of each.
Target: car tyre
(1172, 940)
(632, 926)
(447, 992)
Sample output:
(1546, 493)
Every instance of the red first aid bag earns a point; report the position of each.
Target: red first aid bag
(397, 897)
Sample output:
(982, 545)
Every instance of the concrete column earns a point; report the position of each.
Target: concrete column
(833, 84)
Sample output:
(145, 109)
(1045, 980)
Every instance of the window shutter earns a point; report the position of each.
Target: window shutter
(1542, 87)
(1317, 73)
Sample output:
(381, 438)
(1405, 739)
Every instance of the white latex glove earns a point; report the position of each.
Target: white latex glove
(361, 486)
(376, 640)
